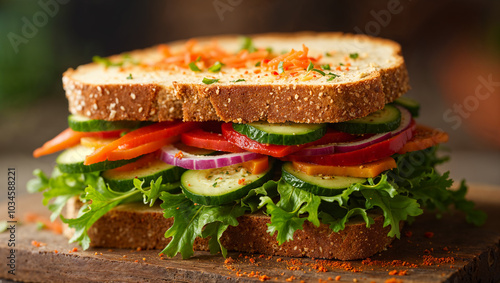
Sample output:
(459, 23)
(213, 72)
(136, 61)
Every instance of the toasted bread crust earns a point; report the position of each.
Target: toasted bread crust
(138, 226)
(244, 102)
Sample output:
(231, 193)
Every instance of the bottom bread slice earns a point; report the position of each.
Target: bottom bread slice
(136, 225)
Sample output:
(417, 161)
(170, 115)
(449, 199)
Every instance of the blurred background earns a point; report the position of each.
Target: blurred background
(451, 48)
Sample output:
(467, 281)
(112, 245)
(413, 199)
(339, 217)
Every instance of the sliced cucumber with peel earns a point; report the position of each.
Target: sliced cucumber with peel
(319, 185)
(412, 105)
(81, 123)
(381, 121)
(221, 185)
(124, 180)
(282, 133)
(71, 161)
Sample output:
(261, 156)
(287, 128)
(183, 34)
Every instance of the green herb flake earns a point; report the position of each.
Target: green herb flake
(341, 64)
(237, 81)
(214, 184)
(216, 67)
(327, 54)
(280, 68)
(333, 76)
(208, 81)
(257, 64)
(310, 66)
(130, 77)
(248, 44)
(354, 55)
(319, 71)
(326, 67)
(193, 67)
(106, 62)
(269, 49)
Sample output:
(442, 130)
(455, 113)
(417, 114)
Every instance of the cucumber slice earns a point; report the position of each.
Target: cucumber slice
(381, 121)
(71, 161)
(124, 180)
(221, 185)
(81, 123)
(281, 134)
(319, 185)
(412, 105)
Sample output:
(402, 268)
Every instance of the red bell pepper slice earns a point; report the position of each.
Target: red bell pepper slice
(202, 139)
(245, 142)
(370, 153)
(141, 136)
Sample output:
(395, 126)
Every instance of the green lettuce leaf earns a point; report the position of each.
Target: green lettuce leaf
(98, 201)
(155, 188)
(189, 221)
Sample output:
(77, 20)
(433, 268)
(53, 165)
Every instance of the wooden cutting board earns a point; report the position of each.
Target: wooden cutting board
(430, 250)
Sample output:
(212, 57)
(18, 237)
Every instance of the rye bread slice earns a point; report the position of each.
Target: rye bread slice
(147, 92)
(135, 225)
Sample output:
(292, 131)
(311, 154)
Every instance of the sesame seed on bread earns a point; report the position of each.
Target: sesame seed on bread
(144, 90)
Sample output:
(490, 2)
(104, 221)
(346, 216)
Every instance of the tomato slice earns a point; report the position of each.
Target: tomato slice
(245, 142)
(141, 136)
(202, 139)
(370, 153)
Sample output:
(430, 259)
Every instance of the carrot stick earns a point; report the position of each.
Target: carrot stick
(65, 139)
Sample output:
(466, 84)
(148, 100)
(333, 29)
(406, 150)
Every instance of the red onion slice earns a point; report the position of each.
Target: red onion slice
(405, 120)
(350, 146)
(200, 162)
(317, 150)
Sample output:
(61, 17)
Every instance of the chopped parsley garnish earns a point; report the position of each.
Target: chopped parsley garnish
(280, 68)
(269, 49)
(208, 81)
(333, 76)
(319, 71)
(193, 66)
(238, 80)
(214, 185)
(327, 54)
(310, 66)
(248, 44)
(257, 64)
(354, 55)
(130, 77)
(326, 67)
(215, 67)
(106, 62)
(341, 64)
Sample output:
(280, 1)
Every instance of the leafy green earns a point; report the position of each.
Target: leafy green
(60, 188)
(190, 219)
(155, 188)
(416, 176)
(285, 215)
(296, 205)
(195, 220)
(97, 202)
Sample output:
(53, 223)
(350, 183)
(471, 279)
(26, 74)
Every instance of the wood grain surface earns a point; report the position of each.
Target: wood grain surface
(454, 251)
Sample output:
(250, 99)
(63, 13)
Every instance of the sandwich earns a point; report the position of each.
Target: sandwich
(282, 144)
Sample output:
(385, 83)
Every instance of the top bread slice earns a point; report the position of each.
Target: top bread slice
(370, 73)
